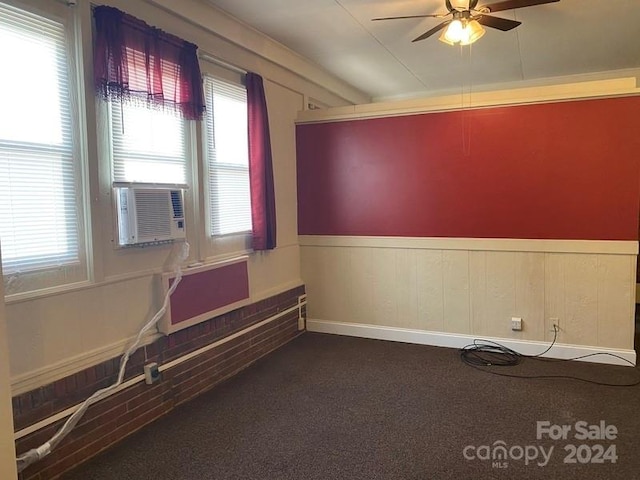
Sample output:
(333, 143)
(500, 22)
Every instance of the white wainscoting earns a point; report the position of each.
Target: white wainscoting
(474, 286)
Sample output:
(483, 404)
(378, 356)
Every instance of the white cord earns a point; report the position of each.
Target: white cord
(45, 449)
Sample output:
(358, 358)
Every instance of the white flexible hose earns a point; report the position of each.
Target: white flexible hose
(46, 448)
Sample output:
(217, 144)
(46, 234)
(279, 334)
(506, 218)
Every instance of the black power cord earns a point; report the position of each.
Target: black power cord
(487, 353)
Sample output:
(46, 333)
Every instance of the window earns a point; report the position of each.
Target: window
(152, 83)
(148, 145)
(41, 225)
(227, 158)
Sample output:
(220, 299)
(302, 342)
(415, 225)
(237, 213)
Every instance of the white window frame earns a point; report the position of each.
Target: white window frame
(106, 133)
(45, 279)
(223, 241)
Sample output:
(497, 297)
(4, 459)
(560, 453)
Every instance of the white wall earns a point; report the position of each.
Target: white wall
(56, 334)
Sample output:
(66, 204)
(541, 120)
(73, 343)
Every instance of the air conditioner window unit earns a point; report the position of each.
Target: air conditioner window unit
(149, 215)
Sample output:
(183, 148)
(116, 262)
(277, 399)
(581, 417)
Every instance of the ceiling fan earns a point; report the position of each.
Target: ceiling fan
(465, 25)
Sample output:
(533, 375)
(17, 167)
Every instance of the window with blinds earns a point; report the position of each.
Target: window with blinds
(147, 145)
(227, 158)
(40, 200)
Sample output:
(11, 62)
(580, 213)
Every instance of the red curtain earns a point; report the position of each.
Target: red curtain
(263, 204)
(134, 61)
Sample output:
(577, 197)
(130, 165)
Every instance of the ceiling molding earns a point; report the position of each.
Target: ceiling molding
(517, 96)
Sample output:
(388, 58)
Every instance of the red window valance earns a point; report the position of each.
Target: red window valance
(137, 62)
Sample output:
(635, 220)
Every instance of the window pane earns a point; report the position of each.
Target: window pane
(37, 209)
(33, 87)
(230, 124)
(227, 158)
(148, 145)
(39, 215)
(231, 205)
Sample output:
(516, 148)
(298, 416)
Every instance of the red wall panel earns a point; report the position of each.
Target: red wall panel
(567, 170)
(208, 290)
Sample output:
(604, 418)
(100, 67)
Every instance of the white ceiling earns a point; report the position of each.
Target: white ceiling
(572, 37)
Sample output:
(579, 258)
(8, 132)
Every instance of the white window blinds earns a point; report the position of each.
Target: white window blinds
(148, 145)
(40, 224)
(227, 155)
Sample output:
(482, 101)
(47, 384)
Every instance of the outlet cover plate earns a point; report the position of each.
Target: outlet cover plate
(516, 324)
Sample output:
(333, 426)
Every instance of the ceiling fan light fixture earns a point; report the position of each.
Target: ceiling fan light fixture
(464, 32)
(443, 38)
(473, 32)
(453, 33)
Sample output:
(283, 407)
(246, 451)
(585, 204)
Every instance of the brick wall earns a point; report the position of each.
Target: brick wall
(118, 416)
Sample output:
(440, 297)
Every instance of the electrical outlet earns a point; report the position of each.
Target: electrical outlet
(516, 324)
(554, 321)
(151, 373)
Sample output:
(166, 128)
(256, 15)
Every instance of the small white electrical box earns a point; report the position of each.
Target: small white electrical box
(516, 324)
(151, 373)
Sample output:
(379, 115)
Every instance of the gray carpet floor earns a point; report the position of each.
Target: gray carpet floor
(330, 407)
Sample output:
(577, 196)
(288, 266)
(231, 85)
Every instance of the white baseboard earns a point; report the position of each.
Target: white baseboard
(453, 340)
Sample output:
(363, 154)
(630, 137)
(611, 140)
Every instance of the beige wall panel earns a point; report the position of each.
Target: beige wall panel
(384, 287)
(140, 300)
(505, 285)
(554, 293)
(311, 259)
(361, 302)
(274, 271)
(529, 283)
(616, 304)
(478, 299)
(581, 290)
(501, 293)
(475, 292)
(337, 296)
(430, 274)
(406, 289)
(572, 296)
(51, 329)
(457, 315)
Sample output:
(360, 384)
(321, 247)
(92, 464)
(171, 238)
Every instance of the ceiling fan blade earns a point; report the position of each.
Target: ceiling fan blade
(511, 4)
(503, 24)
(428, 33)
(435, 15)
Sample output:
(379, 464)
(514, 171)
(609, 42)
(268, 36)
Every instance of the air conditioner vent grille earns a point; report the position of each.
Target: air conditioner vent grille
(153, 213)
